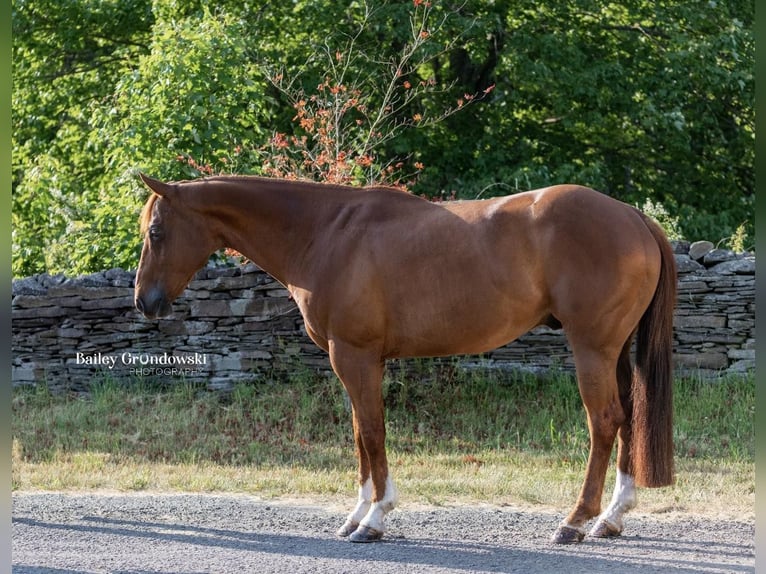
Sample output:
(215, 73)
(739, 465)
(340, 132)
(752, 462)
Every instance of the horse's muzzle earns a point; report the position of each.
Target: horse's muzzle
(153, 303)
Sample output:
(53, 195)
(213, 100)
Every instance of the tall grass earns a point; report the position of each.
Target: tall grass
(463, 430)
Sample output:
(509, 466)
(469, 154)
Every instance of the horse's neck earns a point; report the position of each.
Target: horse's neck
(271, 223)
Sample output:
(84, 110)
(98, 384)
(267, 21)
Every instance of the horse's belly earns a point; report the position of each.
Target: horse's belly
(459, 333)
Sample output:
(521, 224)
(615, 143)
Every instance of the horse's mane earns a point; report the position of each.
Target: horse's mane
(146, 213)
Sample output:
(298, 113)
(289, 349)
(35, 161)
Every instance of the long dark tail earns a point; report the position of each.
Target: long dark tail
(652, 387)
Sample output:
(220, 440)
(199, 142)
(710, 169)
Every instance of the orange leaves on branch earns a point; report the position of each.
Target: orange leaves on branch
(279, 141)
(363, 160)
(339, 133)
(201, 168)
(351, 114)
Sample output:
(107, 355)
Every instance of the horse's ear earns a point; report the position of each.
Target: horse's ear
(157, 186)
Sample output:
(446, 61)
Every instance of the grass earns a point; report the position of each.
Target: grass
(453, 437)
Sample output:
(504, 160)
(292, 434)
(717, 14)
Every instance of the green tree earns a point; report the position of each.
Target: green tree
(191, 92)
(67, 56)
(638, 99)
(642, 100)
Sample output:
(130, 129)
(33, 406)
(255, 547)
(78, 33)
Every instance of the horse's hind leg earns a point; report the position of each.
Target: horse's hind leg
(362, 375)
(610, 523)
(597, 381)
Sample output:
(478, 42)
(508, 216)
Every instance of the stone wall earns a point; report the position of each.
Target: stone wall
(237, 323)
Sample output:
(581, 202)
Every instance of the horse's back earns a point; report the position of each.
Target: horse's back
(567, 226)
(561, 212)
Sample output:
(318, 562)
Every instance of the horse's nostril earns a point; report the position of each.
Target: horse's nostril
(152, 303)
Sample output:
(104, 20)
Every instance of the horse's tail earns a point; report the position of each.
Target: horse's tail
(652, 386)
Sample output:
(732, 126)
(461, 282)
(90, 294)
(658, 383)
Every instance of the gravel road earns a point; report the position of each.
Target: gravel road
(143, 533)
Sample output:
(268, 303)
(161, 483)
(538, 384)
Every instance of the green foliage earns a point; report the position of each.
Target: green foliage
(739, 240)
(642, 100)
(668, 222)
(192, 90)
(638, 99)
(67, 56)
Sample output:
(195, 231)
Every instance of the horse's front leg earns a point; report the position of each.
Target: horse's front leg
(362, 375)
(377, 493)
(365, 486)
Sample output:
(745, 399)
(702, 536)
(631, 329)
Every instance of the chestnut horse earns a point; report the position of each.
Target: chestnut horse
(378, 273)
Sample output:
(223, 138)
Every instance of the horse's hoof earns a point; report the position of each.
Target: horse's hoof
(567, 535)
(366, 534)
(604, 529)
(347, 529)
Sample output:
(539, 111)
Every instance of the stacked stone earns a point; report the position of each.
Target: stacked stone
(539, 350)
(238, 320)
(54, 318)
(715, 313)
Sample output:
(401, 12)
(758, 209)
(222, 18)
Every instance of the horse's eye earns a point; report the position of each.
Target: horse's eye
(155, 233)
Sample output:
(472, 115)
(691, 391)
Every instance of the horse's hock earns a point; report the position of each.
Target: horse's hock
(234, 323)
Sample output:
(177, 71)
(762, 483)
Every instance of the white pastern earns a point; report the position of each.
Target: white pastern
(363, 504)
(378, 510)
(623, 499)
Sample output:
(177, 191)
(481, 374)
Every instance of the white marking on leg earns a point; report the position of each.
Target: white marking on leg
(360, 511)
(378, 510)
(623, 499)
(363, 504)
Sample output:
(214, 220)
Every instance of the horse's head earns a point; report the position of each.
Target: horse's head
(177, 243)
